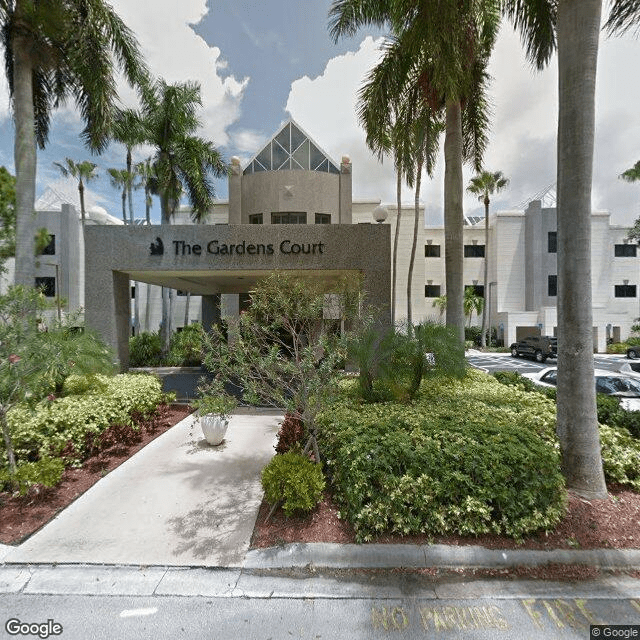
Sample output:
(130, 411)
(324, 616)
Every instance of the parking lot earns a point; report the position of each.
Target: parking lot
(491, 362)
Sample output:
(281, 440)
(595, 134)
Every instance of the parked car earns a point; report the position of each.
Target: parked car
(631, 369)
(538, 347)
(633, 353)
(610, 383)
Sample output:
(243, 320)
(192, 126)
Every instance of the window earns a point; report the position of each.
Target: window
(255, 218)
(625, 251)
(50, 249)
(478, 289)
(289, 217)
(431, 250)
(180, 292)
(323, 218)
(552, 286)
(47, 285)
(291, 150)
(431, 290)
(474, 251)
(625, 291)
(552, 241)
(133, 292)
(551, 377)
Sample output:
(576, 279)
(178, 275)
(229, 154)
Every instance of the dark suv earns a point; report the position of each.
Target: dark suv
(538, 347)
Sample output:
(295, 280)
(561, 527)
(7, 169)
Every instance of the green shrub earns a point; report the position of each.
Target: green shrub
(185, 348)
(294, 480)
(79, 385)
(617, 347)
(470, 457)
(620, 456)
(145, 350)
(71, 423)
(46, 471)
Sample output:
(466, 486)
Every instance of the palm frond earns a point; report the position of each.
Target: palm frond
(624, 16)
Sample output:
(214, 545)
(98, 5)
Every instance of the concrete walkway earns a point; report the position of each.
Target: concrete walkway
(178, 501)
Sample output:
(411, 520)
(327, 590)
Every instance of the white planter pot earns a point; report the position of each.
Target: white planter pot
(214, 428)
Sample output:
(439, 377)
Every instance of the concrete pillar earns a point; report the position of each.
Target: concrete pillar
(235, 192)
(210, 311)
(345, 191)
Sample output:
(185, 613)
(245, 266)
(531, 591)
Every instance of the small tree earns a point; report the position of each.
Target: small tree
(36, 360)
(282, 351)
(472, 302)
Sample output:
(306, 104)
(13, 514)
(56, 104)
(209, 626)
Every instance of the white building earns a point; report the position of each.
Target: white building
(291, 180)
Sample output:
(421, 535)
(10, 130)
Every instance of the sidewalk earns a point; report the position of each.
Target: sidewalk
(181, 506)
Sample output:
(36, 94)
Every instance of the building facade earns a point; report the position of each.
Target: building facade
(292, 192)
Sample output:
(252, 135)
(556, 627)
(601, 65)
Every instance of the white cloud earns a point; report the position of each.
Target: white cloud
(176, 53)
(325, 107)
(523, 133)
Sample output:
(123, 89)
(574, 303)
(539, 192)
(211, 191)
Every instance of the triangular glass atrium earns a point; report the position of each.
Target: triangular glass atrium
(291, 149)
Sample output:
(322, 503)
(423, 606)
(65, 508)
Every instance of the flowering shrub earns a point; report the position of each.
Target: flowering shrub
(470, 457)
(72, 422)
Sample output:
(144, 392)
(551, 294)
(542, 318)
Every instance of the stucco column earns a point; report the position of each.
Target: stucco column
(345, 216)
(210, 311)
(235, 192)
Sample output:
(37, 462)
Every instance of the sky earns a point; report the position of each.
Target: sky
(261, 63)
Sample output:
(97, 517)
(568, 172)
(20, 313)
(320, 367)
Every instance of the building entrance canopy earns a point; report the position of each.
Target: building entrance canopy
(212, 259)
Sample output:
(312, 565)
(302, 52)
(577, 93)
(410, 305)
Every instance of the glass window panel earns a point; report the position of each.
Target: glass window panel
(283, 138)
(316, 157)
(323, 166)
(333, 168)
(258, 167)
(301, 155)
(280, 157)
(297, 137)
(296, 165)
(264, 158)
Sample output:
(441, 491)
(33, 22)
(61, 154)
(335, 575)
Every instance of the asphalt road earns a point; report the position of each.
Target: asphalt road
(349, 606)
(491, 362)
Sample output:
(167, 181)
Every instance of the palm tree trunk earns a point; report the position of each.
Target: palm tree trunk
(483, 334)
(165, 329)
(453, 218)
(124, 204)
(130, 186)
(25, 162)
(412, 259)
(395, 247)
(186, 309)
(578, 31)
(82, 213)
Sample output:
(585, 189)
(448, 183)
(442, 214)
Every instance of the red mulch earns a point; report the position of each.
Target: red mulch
(613, 523)
(21, 516)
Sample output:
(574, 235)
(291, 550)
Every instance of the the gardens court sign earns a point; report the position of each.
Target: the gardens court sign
(212, 259)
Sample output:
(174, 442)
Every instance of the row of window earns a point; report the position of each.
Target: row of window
(619, 290)
(290, 217)
(470, 251)
(619, 250)
(433, 290)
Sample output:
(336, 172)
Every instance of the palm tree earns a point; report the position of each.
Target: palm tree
(84, 171)
(441, 303)
(145, 172)
(121, 179)
(483, 185)
(182, 160)
(128, 129)
(574, 27)
(449, 43)
(54, 51)
(633, 175)
(472, 302)
(397, 119)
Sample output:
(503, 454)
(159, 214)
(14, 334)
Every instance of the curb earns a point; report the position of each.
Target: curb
(393, 556)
